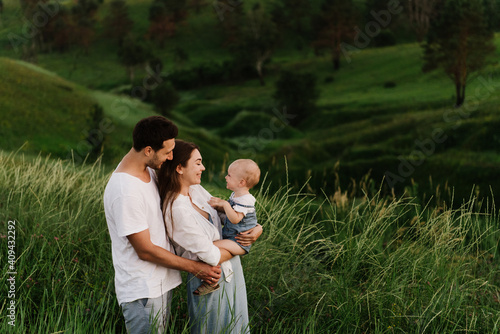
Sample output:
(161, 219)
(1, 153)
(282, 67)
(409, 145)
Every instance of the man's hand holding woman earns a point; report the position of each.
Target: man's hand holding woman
(207, 273)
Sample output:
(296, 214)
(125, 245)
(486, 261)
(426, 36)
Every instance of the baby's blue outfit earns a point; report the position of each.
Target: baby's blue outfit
(230, 230)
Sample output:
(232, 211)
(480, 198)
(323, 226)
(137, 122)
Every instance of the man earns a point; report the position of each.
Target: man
(146, 270)
(142, 258)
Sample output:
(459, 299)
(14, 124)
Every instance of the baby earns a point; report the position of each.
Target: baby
(242, 175)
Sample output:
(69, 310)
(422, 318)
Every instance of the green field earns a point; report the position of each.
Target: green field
(370, 265)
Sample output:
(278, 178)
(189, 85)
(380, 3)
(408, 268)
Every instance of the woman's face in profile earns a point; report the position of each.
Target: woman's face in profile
(191, 174)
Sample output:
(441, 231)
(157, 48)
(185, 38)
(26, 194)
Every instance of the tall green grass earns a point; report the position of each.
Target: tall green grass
(323, 265)
(64, 275)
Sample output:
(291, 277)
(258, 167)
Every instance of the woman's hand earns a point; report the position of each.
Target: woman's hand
(248, 237)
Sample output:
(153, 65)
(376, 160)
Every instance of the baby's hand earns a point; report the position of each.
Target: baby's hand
(216, 203)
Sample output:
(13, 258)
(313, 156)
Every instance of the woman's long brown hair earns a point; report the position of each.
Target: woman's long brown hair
(169, 184)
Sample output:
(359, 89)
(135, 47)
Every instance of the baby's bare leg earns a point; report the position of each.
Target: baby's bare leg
(231, 246)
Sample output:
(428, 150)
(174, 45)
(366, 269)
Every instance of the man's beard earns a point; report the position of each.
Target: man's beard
(154, 163)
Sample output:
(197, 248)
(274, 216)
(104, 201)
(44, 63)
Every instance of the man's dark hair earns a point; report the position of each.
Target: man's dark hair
(153, 131)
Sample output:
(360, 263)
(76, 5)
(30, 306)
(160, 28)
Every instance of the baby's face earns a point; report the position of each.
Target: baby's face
(233, 178)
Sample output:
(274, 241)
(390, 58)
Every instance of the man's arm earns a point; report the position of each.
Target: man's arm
(147, 251)
(248, 237)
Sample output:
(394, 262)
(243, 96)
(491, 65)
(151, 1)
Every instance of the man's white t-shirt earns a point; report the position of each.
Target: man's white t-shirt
(132, 206)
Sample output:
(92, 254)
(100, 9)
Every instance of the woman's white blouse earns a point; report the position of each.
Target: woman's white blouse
(192, 234)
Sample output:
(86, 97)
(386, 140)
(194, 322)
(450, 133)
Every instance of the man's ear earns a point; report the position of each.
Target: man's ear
(178, 169)
(148, 150)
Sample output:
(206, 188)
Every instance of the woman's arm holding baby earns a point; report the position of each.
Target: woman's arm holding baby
(224, 254)
(248, 237)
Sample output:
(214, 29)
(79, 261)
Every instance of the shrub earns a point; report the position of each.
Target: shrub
(95, 137)
(211, 73)
(165, 98)
(209, 115)
(328, 79)
(298, 93)
(389, 84)
(385, 38)
(258, 125)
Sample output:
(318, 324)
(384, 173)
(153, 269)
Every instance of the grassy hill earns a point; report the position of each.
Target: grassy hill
(42, 112)
(41, 108)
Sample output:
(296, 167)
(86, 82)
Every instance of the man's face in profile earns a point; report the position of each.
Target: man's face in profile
(163, 154)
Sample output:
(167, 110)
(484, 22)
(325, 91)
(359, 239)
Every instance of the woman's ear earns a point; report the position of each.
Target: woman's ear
(178, 169)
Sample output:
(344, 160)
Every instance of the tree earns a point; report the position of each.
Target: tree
(373, 10)
(165, 98)
(59, 27)
(492, 9)
(292, 15)
(162, 23)
(257, 37)
(117, 23)
(180, 56)
(95, 138)
(460, 41)
(298, 94)
(132, 54)
(176, 8)
(51, 26)
(335, 26)
(164, 17)
(46, 32)
(83, 14)
(230, 21)
(28, 8)
(197, 4)
(85, 32)
(1, 12)
(59, 33)
(420, 13)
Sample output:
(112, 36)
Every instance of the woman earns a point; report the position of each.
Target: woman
(193, 225)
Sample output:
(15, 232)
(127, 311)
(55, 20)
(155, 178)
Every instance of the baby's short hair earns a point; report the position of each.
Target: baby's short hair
(250, 171)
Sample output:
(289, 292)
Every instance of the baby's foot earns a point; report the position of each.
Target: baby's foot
(206, 288)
